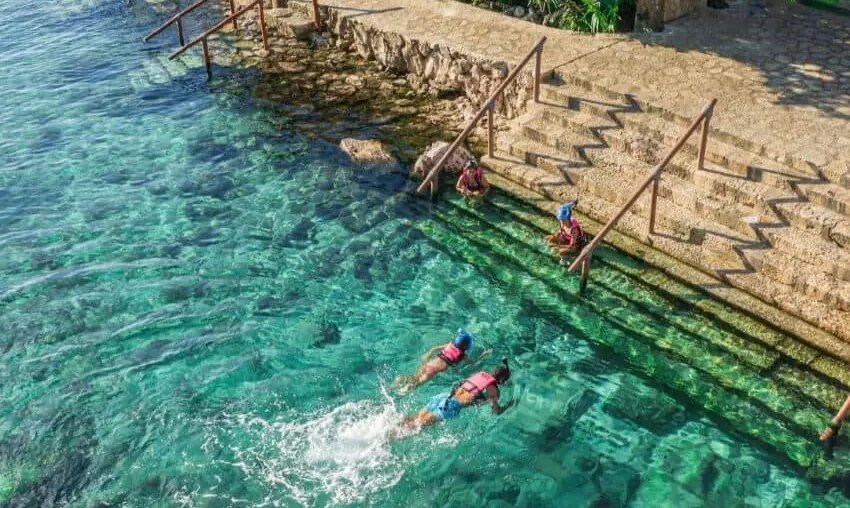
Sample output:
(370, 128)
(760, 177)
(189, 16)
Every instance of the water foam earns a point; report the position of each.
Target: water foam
(333, 456)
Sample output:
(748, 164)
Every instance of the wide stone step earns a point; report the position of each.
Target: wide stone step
(656, 130)
(799, 352)
(784, 207)
(711, 253)
(708, 198)
(612, 179)
(593, 203)
(763, 411)
(763, 189)
(580, 93)
(527, 246)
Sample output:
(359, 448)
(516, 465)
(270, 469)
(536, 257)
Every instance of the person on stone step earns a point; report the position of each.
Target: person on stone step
(477, 389)
(432, 363)
(570, 235)
(471, 182)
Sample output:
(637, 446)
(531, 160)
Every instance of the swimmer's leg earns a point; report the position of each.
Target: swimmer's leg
(421, 418)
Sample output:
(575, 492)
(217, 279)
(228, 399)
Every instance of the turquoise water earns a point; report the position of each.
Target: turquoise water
(201, 307)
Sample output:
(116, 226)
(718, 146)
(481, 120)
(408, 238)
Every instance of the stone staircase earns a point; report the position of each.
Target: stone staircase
(779, 231)
(761, 383)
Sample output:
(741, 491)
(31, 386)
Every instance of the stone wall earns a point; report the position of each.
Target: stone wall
(440, 70)
(651, 15)
(674, 9)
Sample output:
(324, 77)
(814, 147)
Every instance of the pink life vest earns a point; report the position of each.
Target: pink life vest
(451, 354)
(571, 236)
(477, 384)
(476, 178)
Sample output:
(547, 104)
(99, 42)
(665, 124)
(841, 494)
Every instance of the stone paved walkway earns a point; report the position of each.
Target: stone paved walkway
(781, 71)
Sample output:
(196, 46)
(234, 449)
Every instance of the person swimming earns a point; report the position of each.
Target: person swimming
(450, 354)
(471, 182)
(570, 235)
(476, 389)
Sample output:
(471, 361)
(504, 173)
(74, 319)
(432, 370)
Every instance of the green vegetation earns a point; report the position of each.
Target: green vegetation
(581, 15)
(578, 15)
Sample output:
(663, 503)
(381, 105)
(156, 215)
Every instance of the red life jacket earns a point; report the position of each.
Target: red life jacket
(571, 236)
(476, 178)
(451, 354)
(477, 384)
(576, 226)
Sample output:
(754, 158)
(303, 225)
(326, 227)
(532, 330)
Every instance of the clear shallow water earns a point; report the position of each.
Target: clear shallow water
(201, 308)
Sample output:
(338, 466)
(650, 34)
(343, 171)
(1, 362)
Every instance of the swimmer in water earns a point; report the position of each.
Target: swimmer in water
(478, 388)
(570, 235)
(471, 182)
(450, 354)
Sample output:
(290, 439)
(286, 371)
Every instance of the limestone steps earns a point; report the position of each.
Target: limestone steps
(745, 265)
(667, 277)
(818, 261)
(659, 130)
(782, 203)
(584, 91)
(760, 199)
(729, 384)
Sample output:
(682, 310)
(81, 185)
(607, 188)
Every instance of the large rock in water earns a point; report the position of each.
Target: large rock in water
(367, 151)
(432, 155)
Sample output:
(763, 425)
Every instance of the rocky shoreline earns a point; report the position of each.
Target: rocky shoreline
(331, 90)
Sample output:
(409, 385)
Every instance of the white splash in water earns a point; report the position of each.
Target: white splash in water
(335, 456)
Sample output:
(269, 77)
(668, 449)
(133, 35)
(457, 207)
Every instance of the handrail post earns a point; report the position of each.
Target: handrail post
(263, 26)
(180, 32)
(491, 136)
(207, 57)
(830, 433)
(232, 10)
(585, 271)
(537, 63)
(653, 203)
(317, 20)
(704, 136)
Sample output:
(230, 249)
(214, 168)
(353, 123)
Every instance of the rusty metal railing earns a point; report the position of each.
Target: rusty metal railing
(229, 19)
(702, 119)
(178, 19)
(489, 108)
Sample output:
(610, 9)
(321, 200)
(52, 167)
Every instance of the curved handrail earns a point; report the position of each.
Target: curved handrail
(174, 19)
(702, 118)
(489, 105)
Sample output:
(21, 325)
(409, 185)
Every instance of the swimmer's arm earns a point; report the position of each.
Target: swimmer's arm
(493, 395)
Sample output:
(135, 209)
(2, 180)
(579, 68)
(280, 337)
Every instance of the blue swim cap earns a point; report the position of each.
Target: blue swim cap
(463, 340)
(565, 211)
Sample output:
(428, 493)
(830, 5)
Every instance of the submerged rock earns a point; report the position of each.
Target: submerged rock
(367, 151)
(432, 155)
(317, 333)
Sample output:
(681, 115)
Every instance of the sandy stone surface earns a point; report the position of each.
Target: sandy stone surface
(781, 71)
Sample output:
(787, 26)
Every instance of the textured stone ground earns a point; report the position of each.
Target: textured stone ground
(781, 71)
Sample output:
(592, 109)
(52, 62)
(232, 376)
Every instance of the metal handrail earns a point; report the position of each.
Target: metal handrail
(488, 107)
(175, 19)
(703, 118)
(232, 18)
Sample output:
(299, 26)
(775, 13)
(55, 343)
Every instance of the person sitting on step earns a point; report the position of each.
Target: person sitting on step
(450, 354)
(570, 235)
(478, 388)
(471, 182)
